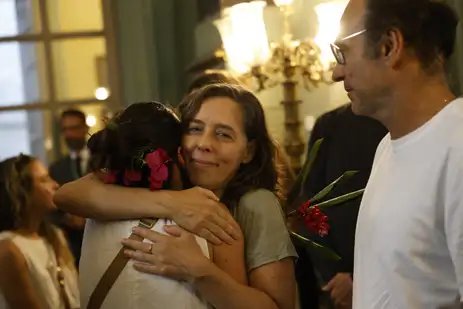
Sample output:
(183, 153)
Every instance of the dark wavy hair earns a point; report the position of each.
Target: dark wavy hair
(209, 77)
(16, 185)
(130, 135)
(263, 170)
(428, 27)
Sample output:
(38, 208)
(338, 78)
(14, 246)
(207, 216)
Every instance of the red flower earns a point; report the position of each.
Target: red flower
(131, 176)
(156, 161)
(303, 209)
(314, 219)
(109, 177)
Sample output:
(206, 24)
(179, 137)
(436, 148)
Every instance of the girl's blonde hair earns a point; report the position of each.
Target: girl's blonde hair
(16, 184)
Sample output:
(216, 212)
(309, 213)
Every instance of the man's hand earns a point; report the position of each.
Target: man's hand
(340, 289)
(198, 210)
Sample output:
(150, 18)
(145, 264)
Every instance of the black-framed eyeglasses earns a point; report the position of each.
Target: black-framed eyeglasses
(337, 51)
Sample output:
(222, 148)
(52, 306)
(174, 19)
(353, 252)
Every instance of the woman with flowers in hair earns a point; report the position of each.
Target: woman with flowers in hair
(134, 151)
(36, 267)
(230, 155)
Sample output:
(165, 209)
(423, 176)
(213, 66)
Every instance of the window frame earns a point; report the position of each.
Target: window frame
(53, 104)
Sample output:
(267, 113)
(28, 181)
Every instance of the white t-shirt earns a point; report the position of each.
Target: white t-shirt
(409, 236)
(132, 289)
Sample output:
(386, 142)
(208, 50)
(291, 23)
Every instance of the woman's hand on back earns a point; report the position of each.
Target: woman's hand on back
(198, 211)
(177, 255)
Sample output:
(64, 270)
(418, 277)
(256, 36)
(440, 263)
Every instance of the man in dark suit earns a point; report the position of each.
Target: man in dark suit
(349, 143)
(72, 166)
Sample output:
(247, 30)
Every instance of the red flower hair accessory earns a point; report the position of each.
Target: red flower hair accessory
(131, 176)
(159, 172)
(157, 162)
(109, 176)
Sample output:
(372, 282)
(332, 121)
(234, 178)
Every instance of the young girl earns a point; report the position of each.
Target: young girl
(139, 148)
(36, 266)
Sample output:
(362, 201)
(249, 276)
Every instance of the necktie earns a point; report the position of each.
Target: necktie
(79, 165)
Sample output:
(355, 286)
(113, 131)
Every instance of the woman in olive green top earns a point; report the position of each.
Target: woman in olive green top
(230, 157)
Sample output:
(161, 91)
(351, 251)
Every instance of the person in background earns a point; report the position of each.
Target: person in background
(37, 269)
(72, 166)
(409, 235)
(75, 131)
(349, 143)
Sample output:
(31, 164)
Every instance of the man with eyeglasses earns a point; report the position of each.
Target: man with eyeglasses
(409, 235)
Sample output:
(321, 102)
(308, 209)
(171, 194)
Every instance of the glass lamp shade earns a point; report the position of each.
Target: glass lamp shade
(244, 37)
(328, 14)
(281, 3)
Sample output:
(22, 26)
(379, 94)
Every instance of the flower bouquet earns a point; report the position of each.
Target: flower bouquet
(310, 211)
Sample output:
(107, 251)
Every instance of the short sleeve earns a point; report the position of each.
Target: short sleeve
(454, 214)
(261, 219)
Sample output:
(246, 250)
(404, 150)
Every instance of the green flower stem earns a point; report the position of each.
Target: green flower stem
(340, 199)
(320, 195)
(323, 250)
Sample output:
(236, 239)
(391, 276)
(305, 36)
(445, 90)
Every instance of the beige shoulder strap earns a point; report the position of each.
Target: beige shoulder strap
(114, 269)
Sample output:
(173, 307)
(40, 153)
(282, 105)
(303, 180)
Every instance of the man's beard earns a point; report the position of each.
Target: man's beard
(75, 143)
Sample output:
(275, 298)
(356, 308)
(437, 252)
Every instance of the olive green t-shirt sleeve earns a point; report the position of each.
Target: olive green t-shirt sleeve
(261, 219)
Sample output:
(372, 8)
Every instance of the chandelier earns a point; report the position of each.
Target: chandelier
(263, 64)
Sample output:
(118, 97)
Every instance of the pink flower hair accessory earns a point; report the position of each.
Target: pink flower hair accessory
(109, 176)
(131, 176)
(157, 162)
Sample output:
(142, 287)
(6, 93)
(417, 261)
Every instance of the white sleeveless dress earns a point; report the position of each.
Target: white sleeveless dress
(132, 289)
(41, 262)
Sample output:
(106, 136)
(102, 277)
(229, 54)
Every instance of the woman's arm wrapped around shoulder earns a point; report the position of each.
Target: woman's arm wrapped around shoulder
(196, 209)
